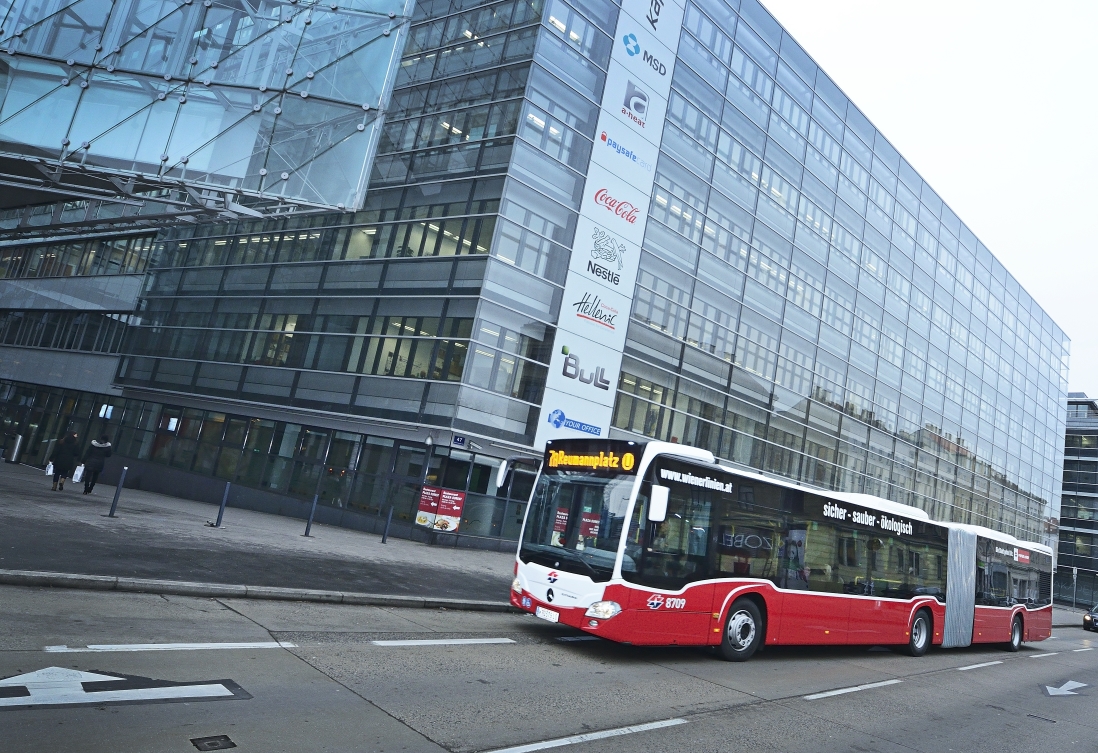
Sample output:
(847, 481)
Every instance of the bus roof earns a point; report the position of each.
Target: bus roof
(1005, 538)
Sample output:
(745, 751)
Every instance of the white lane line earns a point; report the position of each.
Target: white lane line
(1042, 656)
(854, 689)
(977, 666)
(1077, 650)
(450, 642)
(573, 638)
(590, 736)
(107, 647)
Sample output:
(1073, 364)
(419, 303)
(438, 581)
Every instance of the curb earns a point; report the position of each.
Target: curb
(220, 590)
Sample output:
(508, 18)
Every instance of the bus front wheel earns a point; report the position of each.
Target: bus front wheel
(743, 631)
(919, 636)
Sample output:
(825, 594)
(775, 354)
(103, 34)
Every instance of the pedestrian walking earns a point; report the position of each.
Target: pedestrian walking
(64, 460)
(94, 459)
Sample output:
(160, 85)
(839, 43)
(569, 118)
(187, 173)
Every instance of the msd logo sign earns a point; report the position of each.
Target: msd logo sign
(633, 49)
(623, 210)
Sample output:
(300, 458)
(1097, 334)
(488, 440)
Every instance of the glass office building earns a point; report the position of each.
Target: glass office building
(1077, 577)
(658, 219)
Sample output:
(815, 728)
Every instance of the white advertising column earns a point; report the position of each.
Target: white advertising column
(598, 292)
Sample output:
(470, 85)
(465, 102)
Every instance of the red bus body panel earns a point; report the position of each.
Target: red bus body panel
(992, 624)
(695, 615)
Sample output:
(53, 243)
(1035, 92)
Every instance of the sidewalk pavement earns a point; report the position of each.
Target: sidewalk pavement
(162, 538)
(1063, 616)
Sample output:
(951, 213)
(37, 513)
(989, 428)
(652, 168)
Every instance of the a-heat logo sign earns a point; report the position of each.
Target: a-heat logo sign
(632, 46)
(625, 151)
(635, 104)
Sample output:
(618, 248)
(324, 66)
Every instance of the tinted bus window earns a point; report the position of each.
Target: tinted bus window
(721, 525)
(1007, 575)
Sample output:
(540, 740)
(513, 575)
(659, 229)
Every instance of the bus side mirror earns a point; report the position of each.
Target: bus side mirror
(501, 475)
(657, 505)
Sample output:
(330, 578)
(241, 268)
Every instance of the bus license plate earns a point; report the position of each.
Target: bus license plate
(547, 614)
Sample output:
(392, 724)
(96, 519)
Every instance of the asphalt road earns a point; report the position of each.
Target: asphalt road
(336, 690)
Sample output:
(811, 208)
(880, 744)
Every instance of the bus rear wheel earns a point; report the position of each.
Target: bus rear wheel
(919, 636)
(743, 631)
(1015, 634)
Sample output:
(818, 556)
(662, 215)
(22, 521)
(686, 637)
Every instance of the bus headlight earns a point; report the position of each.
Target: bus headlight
(603, 610)
(516, 585)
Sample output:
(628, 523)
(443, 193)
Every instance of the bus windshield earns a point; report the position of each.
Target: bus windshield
(575, 520)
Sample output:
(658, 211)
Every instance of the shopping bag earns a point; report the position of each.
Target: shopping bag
(49, 469)
(78, 474)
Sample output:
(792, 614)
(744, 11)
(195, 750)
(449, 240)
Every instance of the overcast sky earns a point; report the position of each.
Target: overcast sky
(994, 103)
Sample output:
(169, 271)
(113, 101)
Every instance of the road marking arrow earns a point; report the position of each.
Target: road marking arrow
(1066, 689)
(57, 686)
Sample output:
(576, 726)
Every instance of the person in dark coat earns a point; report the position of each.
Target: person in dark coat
(64, 460)
(94, 459)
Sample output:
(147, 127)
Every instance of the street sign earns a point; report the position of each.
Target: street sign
(1075, 573)
(1068, 688)
(53, 687)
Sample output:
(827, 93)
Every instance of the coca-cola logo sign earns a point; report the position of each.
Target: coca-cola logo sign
(622, 209)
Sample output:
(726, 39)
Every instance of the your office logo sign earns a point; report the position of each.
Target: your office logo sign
(560, 421)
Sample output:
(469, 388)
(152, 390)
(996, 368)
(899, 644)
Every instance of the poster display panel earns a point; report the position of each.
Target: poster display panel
(599, 289)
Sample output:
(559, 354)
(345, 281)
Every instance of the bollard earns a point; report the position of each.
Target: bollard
(221, 511)
(118, 491)
(388, 521)
(312, 512)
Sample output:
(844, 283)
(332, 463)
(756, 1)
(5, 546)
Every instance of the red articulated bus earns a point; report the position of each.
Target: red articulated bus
(657, 544)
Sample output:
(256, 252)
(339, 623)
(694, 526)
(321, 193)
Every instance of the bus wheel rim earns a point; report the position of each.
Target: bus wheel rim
(918, 633)
(741, 630)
